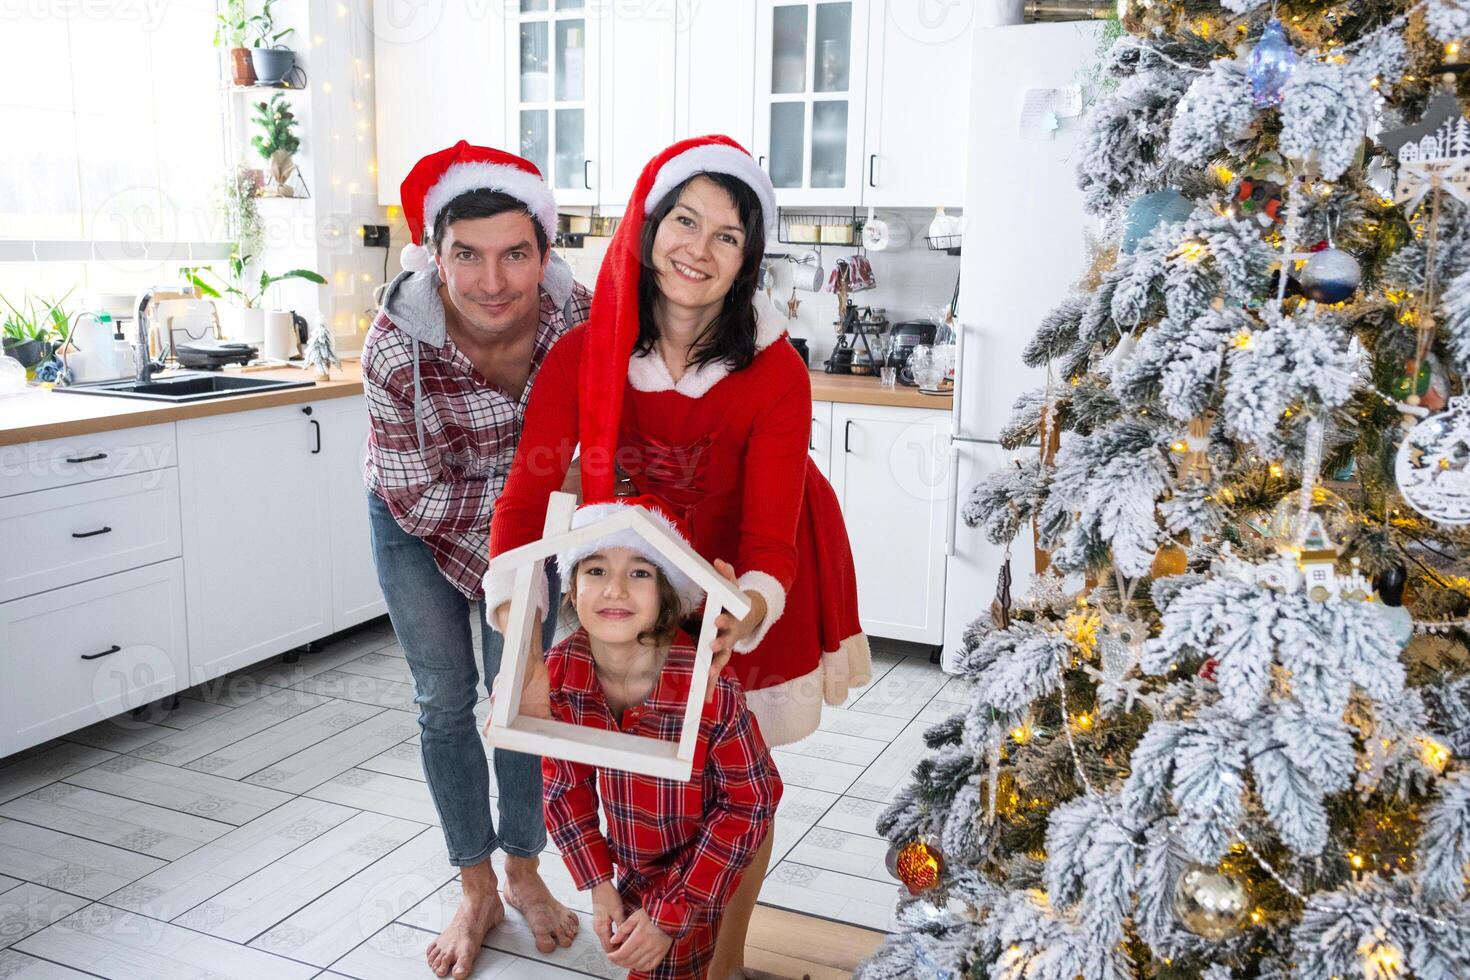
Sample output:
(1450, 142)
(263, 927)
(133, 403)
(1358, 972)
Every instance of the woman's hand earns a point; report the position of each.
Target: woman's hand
(641, 945)
(607, 914)
(730, 630)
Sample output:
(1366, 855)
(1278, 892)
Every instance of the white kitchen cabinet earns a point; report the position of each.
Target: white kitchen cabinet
(257, 562)
(810, 85)
(715, 68)
(637, 110)
(77, 655)
(918, 103)
(437, 81)
(889, 467)
(356, 595)
(820, 446)
(552, 66)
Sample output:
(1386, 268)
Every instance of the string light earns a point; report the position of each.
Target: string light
(1243, 340)
(1193, 251)
(1434, 755)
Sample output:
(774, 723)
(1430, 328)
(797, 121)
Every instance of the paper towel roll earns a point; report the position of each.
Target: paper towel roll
(881, 236)
(280, 336)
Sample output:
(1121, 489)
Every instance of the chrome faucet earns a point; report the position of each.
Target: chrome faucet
(145, 366)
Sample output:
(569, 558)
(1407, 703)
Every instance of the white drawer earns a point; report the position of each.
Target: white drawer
(58, 537)
(75, 656)
(78, 459)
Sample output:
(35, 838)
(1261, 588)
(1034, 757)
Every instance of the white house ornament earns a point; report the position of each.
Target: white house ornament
(1437, 147)
(1431, 465)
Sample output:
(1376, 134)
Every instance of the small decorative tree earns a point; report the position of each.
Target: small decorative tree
(276, 142)
(321, 351)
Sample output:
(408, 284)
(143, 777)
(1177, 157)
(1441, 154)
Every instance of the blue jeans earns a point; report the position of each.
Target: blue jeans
(432, 620)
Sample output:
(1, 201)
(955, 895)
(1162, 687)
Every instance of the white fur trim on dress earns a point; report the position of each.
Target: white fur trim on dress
(715, 158)
(461, 178)
(768, 589)
(499, 584)
(648, 372)
(690, 594)
(791, 711)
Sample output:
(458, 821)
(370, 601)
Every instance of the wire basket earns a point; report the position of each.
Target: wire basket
(949, 244)
(819, 229)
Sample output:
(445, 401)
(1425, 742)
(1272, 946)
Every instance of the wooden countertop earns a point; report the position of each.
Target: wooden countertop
(40, 414)
(860, 389)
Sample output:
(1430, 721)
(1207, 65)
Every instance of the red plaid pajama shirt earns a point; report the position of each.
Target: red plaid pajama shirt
(679, 848)
(445, 490)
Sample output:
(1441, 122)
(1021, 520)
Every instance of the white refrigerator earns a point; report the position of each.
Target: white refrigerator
(1023, 249)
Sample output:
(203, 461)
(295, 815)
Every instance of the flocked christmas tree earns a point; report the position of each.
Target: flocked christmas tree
(1234, 740)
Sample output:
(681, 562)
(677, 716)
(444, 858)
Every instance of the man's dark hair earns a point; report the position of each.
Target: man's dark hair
(483, 204)
(730, 336)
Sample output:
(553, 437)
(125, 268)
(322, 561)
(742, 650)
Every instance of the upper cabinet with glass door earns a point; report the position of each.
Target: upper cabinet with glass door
(810, 84)
(552, 105)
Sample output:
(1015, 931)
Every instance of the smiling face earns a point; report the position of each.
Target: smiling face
(699, 247)
(617, 595)
(491, 269)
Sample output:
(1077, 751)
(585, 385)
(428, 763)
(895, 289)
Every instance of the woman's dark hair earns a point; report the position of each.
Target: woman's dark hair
(664, 627)
(483, 204)
(730, 336)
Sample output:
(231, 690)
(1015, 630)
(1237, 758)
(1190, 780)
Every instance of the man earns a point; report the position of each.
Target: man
(448, 367)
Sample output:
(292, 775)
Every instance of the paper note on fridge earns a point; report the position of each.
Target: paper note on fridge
(1042, 110)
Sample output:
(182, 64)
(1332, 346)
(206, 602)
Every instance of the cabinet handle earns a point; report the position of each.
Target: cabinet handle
(108, 652)
(318, 437)
(811, 442)
(760, 161)
(872, 159)
(846, 436)
(586, 174)
(86, 459)
(952, 505)
(91, 534)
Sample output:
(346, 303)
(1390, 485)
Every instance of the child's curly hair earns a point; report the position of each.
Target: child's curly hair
(664, 627)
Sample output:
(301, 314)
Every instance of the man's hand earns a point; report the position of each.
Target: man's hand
(730, 630)
(607, 914)
(536, 687)
(640, 945)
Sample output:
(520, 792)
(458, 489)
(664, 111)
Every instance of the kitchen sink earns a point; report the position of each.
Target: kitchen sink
(185, 386)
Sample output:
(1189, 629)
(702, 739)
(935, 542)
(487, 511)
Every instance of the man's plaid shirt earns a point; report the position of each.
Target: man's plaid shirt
(679, 847)
(445, 489)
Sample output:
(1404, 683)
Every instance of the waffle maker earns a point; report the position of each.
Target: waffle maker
(212, 355)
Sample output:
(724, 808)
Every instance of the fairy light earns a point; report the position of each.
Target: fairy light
(1275, 469)
(1433, 754)
(1244, 340)
(1193, 251)
(1083, 720)
(1178, 446)
(1356, 860)
(1021, 733)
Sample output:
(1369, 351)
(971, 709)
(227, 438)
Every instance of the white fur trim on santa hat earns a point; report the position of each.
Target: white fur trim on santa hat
(715, 158)
(520, 184)
(690, 594)
(414, 258)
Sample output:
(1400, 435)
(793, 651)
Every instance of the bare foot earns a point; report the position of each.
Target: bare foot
(552, 922)
(458, 946)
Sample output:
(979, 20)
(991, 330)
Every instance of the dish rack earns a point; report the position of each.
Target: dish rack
(819, 229)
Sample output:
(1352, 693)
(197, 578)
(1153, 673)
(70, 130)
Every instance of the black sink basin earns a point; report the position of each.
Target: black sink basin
(190, 386)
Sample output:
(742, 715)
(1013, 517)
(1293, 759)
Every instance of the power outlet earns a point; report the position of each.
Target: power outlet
(375, 236)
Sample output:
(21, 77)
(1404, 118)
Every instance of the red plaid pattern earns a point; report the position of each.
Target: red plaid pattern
(679, 848)
(445, 490)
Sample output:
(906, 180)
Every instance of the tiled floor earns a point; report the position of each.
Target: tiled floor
(277, 825)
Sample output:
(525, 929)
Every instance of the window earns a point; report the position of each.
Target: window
(113, 140)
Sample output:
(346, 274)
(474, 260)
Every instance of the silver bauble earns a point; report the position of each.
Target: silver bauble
(1330, 276)
(1211, 903)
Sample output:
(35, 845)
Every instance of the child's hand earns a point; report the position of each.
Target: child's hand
(641, 945)
(607, 913)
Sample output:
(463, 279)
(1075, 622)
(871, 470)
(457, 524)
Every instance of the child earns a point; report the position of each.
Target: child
(678, 848)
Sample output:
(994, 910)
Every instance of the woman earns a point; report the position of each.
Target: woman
(682, 383)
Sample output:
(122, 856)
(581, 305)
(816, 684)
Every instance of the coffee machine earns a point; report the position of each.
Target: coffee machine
(903, 339)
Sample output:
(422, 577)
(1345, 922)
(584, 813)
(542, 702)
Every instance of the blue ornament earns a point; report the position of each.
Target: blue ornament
(1148, 212)
(1271, 63)
(1330, 276)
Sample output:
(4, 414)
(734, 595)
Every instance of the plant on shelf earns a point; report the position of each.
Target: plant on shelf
(276, 142)
(244, 292)
(272, 60)
(233, 22)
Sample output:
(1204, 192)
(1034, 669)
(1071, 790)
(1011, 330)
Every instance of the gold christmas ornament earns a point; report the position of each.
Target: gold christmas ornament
(1169, 560)
(918, 864)
(1211, 903)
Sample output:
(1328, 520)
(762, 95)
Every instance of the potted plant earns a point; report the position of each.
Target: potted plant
(246, 318)
(271, 60)
(276, 142)
(232, 25)
(33, 328)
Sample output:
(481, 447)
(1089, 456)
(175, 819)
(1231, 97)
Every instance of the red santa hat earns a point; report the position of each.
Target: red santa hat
(690, 594)
(440, 177)
(613, 327)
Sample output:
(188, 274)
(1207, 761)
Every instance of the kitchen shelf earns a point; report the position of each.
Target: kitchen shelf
(807, 228)
(949, 244)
